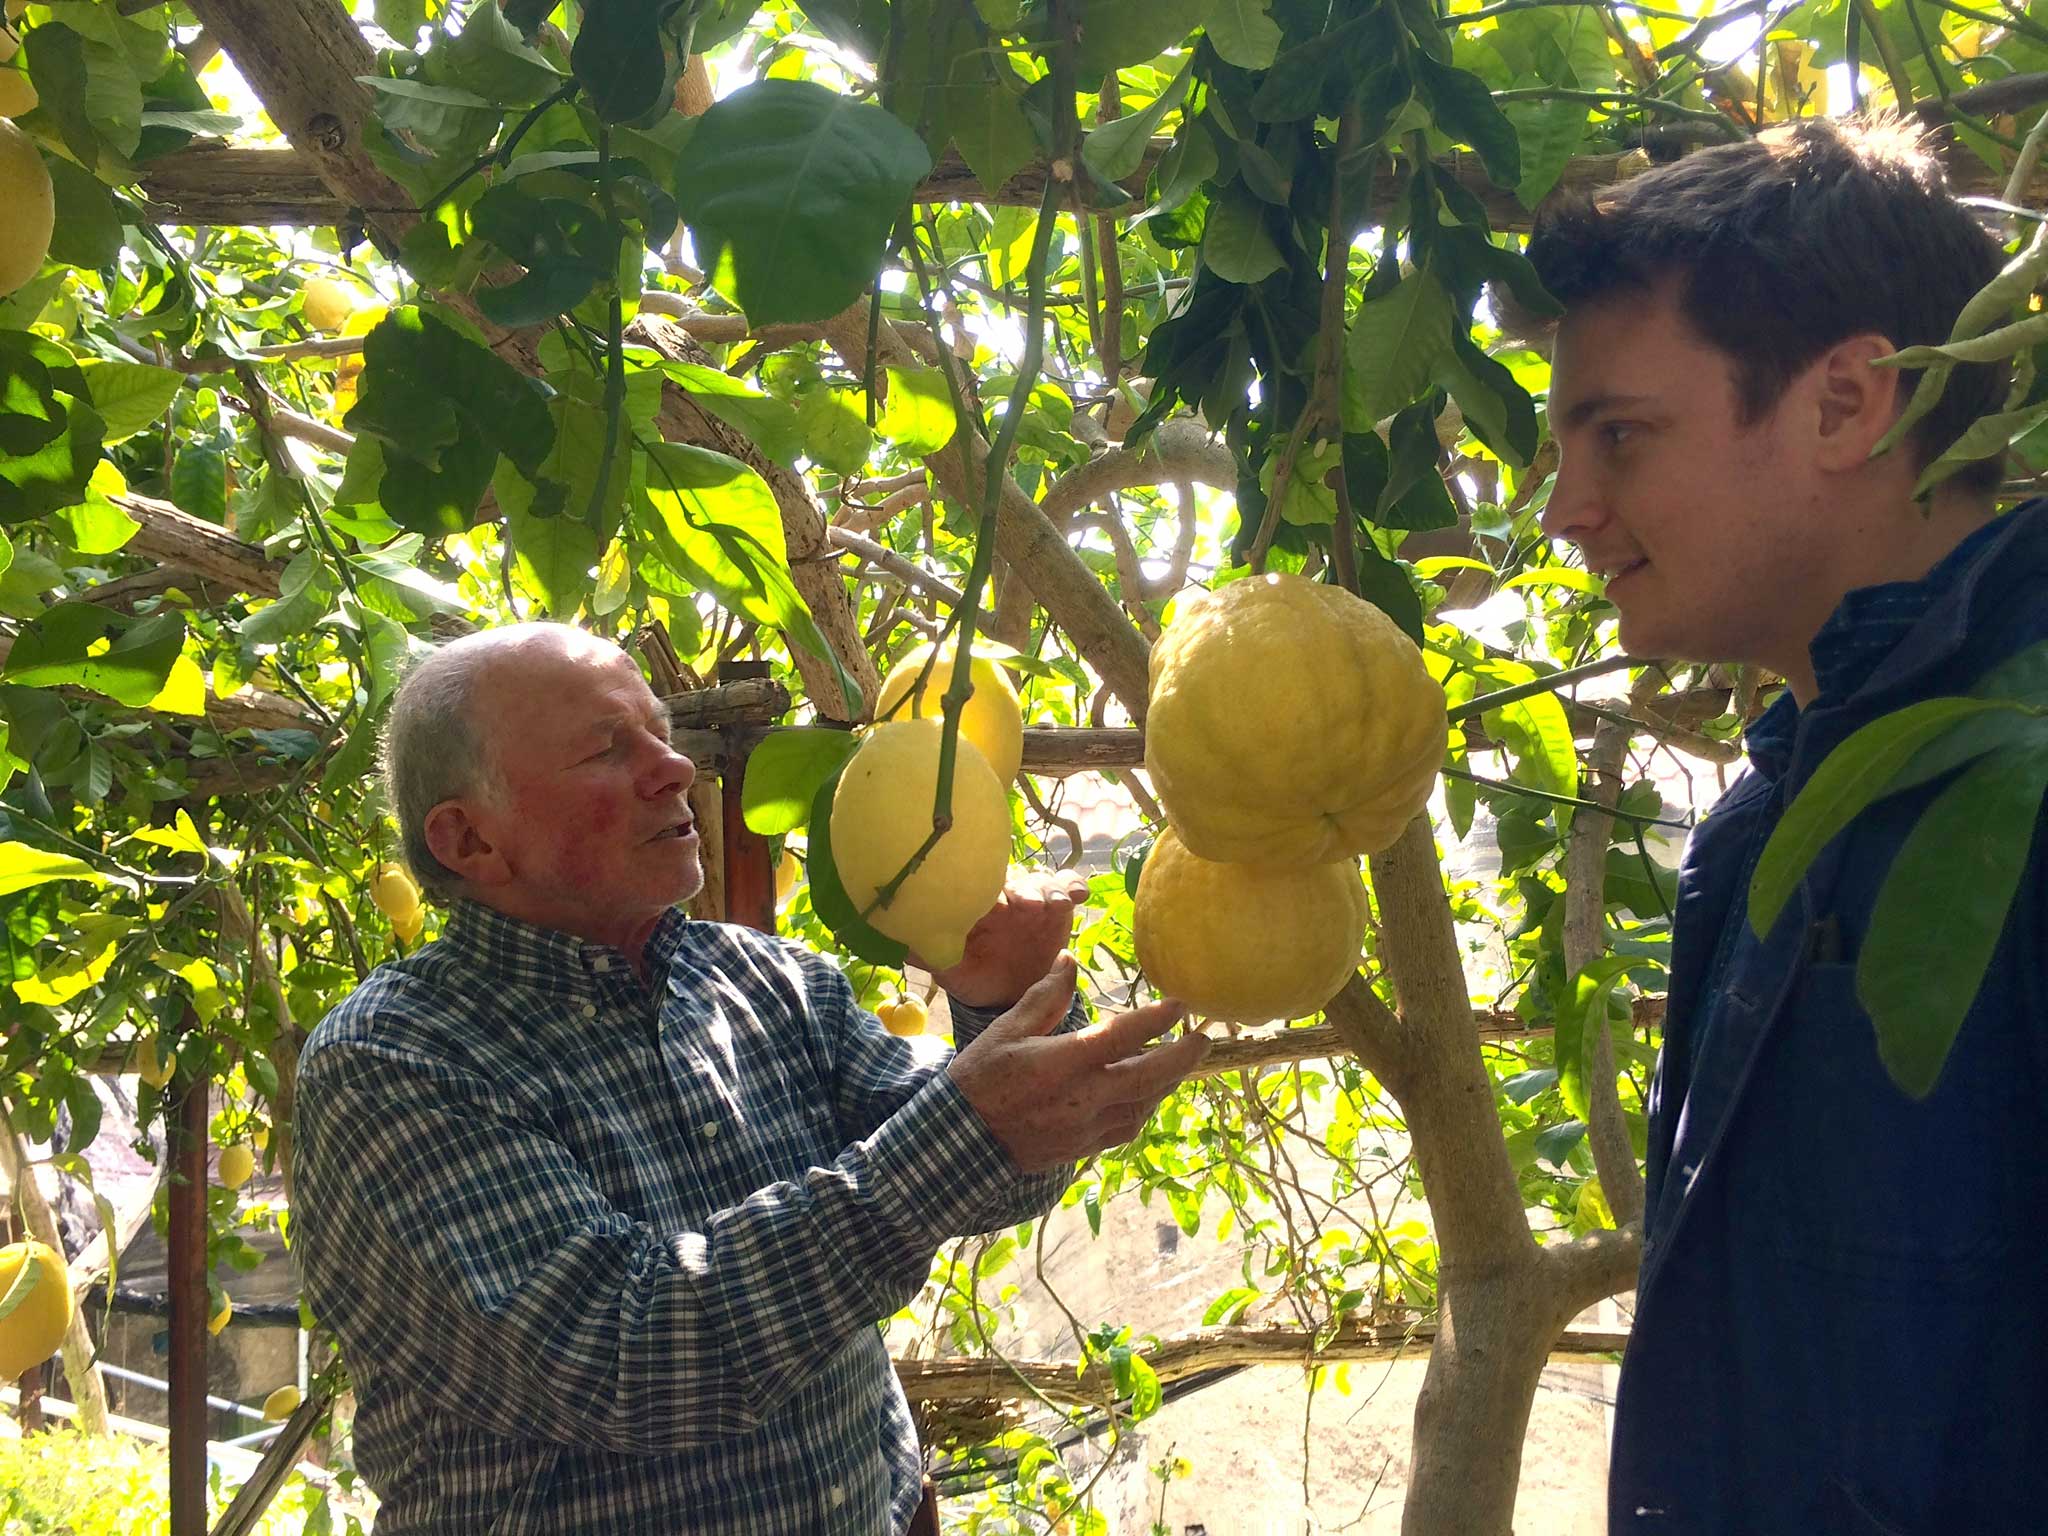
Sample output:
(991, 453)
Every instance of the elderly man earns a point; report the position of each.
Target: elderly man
(605, 1204)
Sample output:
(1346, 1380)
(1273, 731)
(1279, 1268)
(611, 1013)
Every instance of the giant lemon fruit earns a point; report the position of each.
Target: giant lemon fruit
(1247, 943)
(32, 1332)
(882, 814)
(31, 208)
(990, 718)
(1290, 722)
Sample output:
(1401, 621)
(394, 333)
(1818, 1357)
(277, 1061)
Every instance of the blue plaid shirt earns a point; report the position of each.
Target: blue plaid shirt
(609, 1257)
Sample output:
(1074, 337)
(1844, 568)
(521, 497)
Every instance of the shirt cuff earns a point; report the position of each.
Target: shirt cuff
(938, 1166)
(969, 1021)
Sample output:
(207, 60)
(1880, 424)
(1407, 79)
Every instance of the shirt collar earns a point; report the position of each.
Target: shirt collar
(511, 948)
(1866, 627)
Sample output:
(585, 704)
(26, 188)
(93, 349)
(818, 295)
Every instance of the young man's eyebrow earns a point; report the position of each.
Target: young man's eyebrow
(1580, 412)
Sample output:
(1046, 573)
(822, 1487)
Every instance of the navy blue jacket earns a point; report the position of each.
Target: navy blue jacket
(1842, 1316)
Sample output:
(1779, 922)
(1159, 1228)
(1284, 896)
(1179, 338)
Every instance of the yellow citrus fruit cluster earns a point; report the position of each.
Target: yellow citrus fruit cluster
(35, 1295)
(1291, 727)
(327, 302)
(398, 898)
(991, 717)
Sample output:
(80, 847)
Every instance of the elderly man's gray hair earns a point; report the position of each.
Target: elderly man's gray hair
(435, 748)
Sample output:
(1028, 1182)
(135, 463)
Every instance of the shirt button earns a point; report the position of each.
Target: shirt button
(588, 1010)
(838, 1495)
(710, 1130)
(601, 965)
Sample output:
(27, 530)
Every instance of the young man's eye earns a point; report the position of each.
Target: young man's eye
(1616, 433)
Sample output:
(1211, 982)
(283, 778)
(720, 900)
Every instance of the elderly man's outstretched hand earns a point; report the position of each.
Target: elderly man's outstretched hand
(1015, 940)
(1054, 1099)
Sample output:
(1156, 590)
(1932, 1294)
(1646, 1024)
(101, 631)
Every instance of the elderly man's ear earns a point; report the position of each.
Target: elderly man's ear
(463, 847)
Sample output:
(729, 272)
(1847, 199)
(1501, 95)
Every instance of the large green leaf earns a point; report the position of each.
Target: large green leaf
(1584, 1006)
(771, 425)
(445, 408)
(22, 866)
(1243, 33)
(716, 523)
(57, 649)
(1117, 148)
(130, 396)
(1236, 245)
(1857, 772)
(1464, 109)
(918, 416)
(1395, 344)
(1118, 32)
(1942, 909)
(50, 434)
(785, 773)
(793, 189)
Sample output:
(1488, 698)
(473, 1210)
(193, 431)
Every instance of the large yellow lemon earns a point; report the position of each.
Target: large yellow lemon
(990, 718)
(1247, 943)
(34, 1330)
(31, 204)
(882, 814)
(327, 302)
(1290, 722)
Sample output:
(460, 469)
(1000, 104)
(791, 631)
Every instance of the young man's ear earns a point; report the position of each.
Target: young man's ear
(1855, 402)
(462, 846)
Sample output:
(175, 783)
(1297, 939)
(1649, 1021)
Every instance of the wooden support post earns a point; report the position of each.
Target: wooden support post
(188, 1409)
(749, 862)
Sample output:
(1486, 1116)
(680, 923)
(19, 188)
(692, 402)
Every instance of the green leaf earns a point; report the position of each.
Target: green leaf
(770, 424)
(565, 246)
(795, 189)
(88, 230)
(1857, 772)
(487, 57)
(22, 866)
(305, 592)
(918, 415)
(716, 523)
(1235, 244)
(835, 428)
(1464, 109)
(444, 120)
(1497, 410)
(1384, 583)
(1230, 1306)
(130, 396)
(1942, 909)
(57, 649)
(1584, 1006)
(96, 526)
(982, 111)
(1395, 344)
(785, 773)
(1117, 148)
(834, 907)
(1243, 33)
(1114, 33)
(199, 482)
(624, 60)
(50, 434)
(1549, 133)
(445, 408)
(1415, 495)
(557, 555)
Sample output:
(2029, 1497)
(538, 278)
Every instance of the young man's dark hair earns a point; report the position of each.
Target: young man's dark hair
(1785, 244)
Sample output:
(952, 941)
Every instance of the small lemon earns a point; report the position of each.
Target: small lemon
(17, 92)
(154, 1064)
(904, 1016)
(282, 1404)
(327, 302)
(990, 718)
(30, 199)
(236, 1164)
(394, 892)
(219, 1320)
(787, 873)
(34, 1330)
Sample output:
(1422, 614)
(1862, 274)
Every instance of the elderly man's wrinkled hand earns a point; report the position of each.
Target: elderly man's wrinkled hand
(1016, 940)
(1052, 1100)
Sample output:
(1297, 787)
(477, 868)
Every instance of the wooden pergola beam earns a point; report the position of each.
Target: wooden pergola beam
(220, 184)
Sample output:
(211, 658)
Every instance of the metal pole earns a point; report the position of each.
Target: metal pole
(188, 1408)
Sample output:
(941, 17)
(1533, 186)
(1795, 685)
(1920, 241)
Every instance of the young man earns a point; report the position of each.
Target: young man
(605, 1204)
(1842, 1316)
